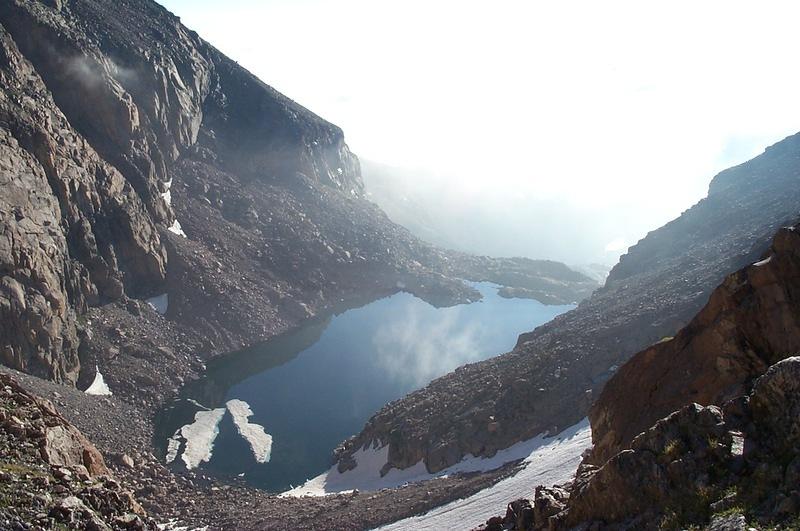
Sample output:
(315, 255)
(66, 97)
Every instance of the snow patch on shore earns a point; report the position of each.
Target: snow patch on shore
(366, 475)
(553, 462)
(99, 386)
(167, 196)
(175, 525)
(175, 228)
(199, 438)
(160, 303)
(763, 262)
(260, 441)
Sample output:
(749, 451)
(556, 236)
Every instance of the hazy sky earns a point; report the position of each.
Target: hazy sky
(623, 107)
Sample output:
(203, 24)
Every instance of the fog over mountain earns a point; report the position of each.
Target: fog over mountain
(500, 221)
(552, 130)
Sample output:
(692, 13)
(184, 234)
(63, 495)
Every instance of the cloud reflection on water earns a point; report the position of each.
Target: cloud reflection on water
(423, 345)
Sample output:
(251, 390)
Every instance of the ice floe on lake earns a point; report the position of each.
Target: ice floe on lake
(197, 439)
(259, 440)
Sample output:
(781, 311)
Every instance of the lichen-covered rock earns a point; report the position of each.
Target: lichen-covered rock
(733, 522)
(668, 465)
(547, 503)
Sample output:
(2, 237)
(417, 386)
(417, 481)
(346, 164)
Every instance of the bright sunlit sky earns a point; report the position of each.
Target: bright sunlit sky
(615, 106)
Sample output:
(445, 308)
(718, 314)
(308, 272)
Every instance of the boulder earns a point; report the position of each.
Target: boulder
(668, 466)
(775, 405)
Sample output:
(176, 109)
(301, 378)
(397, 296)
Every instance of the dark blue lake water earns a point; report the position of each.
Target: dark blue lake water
(315, 387)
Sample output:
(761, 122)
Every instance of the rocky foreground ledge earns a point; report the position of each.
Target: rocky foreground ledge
(51, 476)
(717, 468)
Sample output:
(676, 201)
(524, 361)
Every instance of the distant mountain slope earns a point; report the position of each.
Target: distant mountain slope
(550, 379)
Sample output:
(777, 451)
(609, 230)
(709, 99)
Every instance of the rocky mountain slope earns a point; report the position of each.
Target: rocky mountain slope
(701, 429)
(138, 161)
(553, 375)
(139, 164)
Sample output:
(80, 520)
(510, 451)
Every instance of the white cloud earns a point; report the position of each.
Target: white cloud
(616, 245)
(616, 105)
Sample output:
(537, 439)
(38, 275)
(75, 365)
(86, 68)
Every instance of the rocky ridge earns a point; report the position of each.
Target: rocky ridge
(553, 375)
(751, 321)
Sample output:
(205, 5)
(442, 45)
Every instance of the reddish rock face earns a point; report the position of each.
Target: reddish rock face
(750, 322)
(705, 423)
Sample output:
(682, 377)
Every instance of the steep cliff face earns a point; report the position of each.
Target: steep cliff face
(75, 233)
(258, 133)
(132, 85)
(100, 102)
(550, 379)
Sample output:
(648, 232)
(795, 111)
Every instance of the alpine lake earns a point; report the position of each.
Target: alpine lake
(317, 385)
